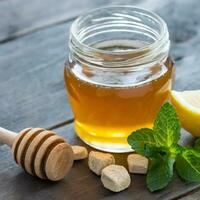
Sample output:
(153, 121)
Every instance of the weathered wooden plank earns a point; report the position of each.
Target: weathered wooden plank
(184, 34)
(31, 80)
(32, 89)
(32, 94)
(18, 17)
(81, 183)
(192, 196)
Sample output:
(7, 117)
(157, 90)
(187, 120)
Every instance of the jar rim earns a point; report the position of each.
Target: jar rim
(163, 31)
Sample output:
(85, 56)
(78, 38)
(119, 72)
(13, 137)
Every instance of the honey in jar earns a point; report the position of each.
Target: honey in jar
(118, 74)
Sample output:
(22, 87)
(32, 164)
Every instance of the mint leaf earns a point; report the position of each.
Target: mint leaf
(197, 145)
(166, 126)
(139, 138)
(161, 147)
(176, 149)
(188, 166)
(160, 172)
(151, 151)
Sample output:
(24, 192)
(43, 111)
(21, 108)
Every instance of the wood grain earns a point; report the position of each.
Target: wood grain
(80, 183)
(192, 196)
(32, 87)
(32, 90)
(19, 17)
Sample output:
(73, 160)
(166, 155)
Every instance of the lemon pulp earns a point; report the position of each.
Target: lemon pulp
(187, 104)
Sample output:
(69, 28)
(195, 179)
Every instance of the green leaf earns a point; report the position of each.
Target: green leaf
(188, 165)
(139, 138)
(166, 126)
(197, 145)
(176, 149)
(160, 172)
(150, 151)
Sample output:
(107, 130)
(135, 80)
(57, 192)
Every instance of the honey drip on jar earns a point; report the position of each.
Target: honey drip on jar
(108, 106)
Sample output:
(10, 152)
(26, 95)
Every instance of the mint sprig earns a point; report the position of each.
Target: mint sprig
(197, 145)
(160, 146)
(160, 172)
(188, 166)
(167, 126)
(141, 138)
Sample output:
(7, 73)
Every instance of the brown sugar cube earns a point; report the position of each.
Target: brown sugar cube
(97, 161)
(115, 178)
(137, 164)
(80, 152)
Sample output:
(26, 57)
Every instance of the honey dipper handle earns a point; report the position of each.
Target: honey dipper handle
(7, 137)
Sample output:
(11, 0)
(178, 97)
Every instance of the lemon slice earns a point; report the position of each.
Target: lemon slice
(187, 104)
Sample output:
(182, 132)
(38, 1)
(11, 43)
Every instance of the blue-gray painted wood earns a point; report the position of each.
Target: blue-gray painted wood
(32, 89)
(19, 17)
(31, 77)
(32, 93)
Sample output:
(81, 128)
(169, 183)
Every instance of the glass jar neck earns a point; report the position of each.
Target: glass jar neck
(119, 37)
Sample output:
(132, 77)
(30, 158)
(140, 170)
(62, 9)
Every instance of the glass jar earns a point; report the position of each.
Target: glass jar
(118, 74)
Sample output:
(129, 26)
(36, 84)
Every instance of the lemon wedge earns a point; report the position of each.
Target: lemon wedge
(187, 104)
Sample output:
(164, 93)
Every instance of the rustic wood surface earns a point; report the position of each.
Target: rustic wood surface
(81, 183)
(32, 86)
(19, 17)
(33, 49)
(192, 196)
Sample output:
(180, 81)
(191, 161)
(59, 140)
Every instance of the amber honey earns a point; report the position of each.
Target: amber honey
(107, 115)
(117, 75)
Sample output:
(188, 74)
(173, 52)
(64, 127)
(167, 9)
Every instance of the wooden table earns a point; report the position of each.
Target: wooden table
(33, 48)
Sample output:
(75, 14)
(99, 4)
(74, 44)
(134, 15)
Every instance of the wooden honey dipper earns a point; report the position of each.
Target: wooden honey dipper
(39, 152)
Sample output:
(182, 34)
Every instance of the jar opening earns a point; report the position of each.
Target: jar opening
(119, 36)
